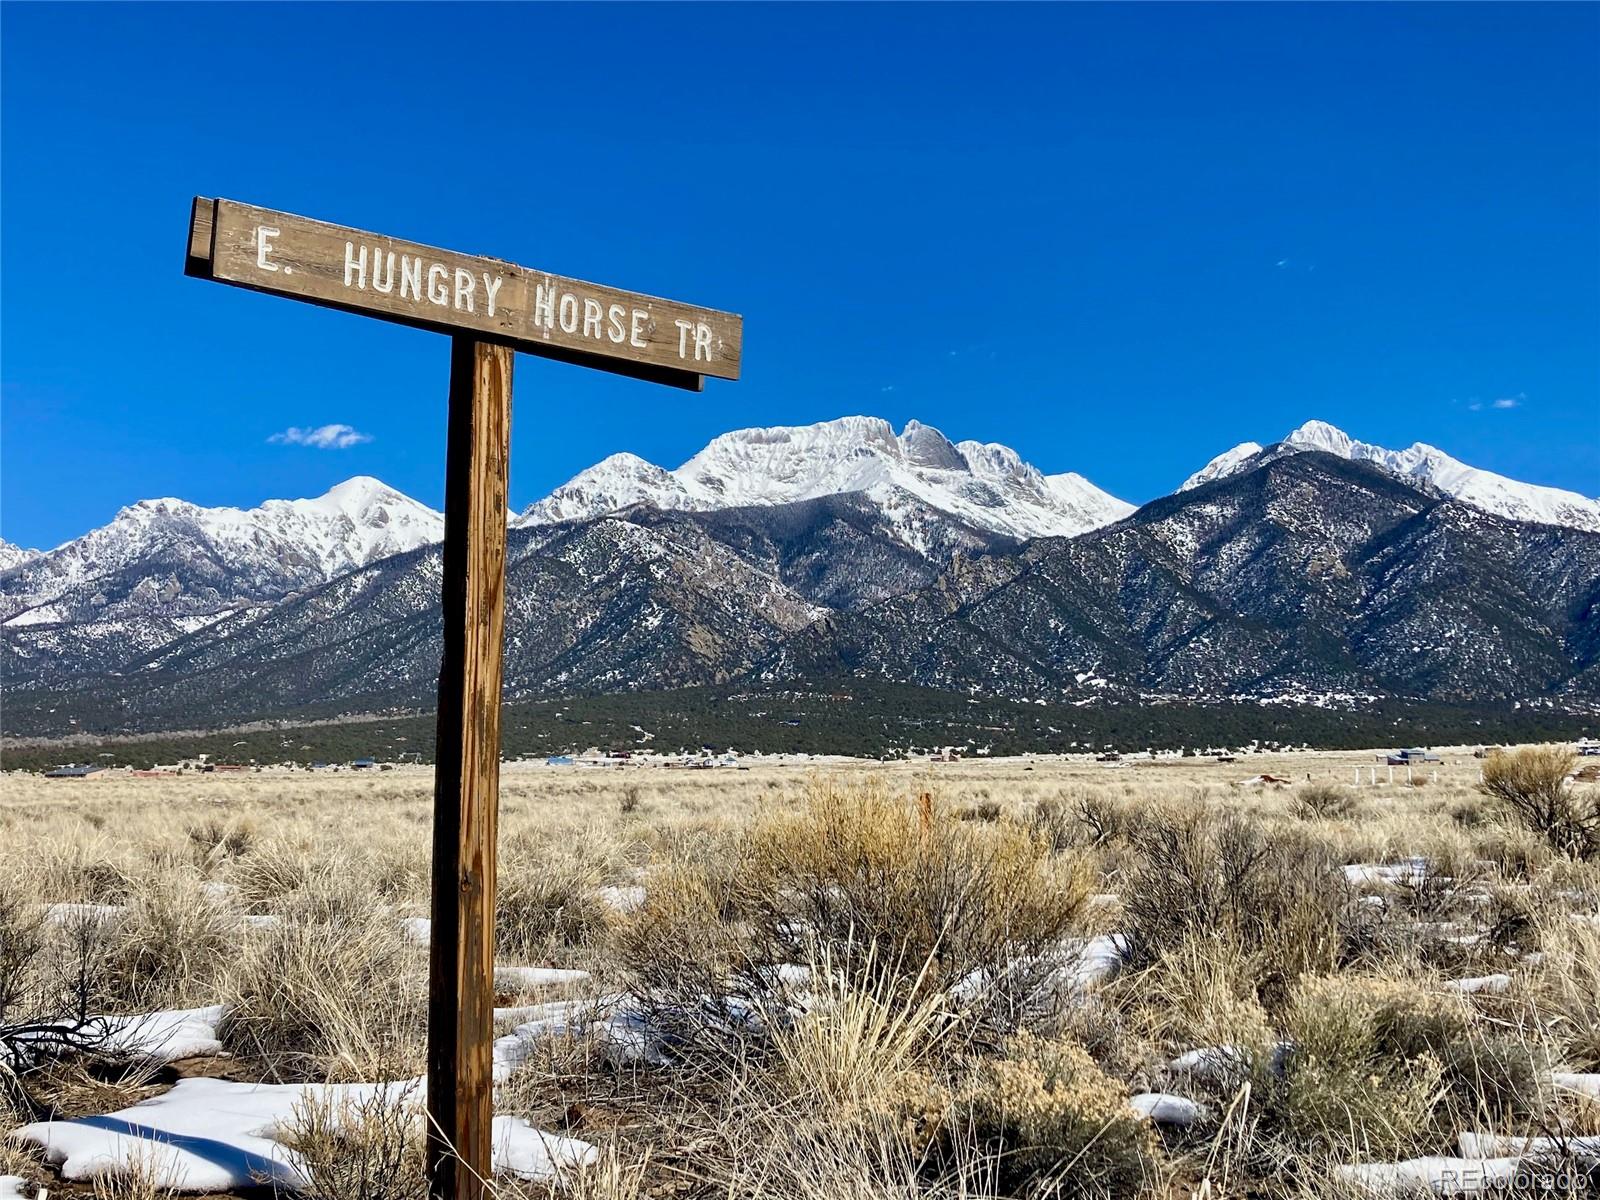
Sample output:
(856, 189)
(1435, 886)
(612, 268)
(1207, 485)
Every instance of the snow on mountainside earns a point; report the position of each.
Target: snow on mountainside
(12, 555)
(986, 485)
(1424, 466)
(175, 556)
(1226, 463)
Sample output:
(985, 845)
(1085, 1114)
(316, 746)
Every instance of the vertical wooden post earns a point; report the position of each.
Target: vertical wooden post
(467, 778)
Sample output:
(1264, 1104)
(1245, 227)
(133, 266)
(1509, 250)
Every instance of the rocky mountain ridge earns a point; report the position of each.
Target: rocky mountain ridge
(1426, 467)
(1290, 574)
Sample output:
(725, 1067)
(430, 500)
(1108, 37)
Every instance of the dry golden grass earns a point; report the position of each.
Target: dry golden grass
(901, 958)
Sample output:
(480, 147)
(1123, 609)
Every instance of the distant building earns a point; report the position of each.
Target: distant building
(363, 764)
(1407, 758)
(74, 771)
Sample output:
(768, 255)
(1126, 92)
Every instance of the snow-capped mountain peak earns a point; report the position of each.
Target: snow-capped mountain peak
(983, 484)
(13, 555)
(611, 484)
(1319, 435)
(173, 557)
(1226, 463)
(1423, 466)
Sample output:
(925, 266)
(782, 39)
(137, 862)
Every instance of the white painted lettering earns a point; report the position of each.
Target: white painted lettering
(491, 289)
(618, 332)
(544, 305)
(464, 286)
(439, 284)
(591, 319)
(569, 313)
(702, 340)
(353, 264)
(683, 336)
(264, 236)
(410, 277)
(636, 332)
(383, 271)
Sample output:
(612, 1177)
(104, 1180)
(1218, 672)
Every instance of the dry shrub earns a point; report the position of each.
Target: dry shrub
(367, 1148)
(79, 1087)
(1105, 818)
(1324, 802)
(215, 840)
(170, 948)
(342, 999)
(677, 954)
(1395, 1050)
(1566, 989)
(1531, 784)
(779, 1156)
(22, 936)
(613, 1177)
(1058, 1124)
(878, 886)
(83, 871)
(14, 1111)
(278, 868)
(546, 899)
(1359, 1079)
(135, 1179)
(857, 1053)
(1200, 993)
(982, 810)
(1203, 876)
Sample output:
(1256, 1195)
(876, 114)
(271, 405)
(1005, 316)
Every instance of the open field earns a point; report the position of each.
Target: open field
(1051, 977)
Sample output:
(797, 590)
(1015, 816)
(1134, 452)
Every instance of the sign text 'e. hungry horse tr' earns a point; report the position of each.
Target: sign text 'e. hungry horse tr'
(491, 309)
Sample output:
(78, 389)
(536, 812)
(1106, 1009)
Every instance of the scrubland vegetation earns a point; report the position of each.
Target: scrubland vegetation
(969, 980)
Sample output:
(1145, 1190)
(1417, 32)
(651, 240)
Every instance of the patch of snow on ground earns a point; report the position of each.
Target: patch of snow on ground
(1076, 966)
(1411, 871)
(1164, 1108)
(159, 1037)
(215, 1135)
(1493, 985)
(530, 977)
(1584, 1085)
(1496, 1145)
(1441, 1176)
(621, 899)
(64, 914)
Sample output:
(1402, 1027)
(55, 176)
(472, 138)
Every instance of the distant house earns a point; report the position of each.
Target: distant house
(1408, 758)
(559, 760)
(1589, 747)
(73, 771)
(363, 764)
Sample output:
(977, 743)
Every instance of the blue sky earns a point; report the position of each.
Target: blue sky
(1119, 239)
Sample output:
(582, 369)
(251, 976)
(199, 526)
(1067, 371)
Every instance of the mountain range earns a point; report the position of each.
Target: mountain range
(1316, 569)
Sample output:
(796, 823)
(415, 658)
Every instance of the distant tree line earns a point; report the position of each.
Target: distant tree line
(842, 717)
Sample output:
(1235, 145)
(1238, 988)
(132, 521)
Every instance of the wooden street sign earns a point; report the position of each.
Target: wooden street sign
(532, 311)
(490, 308)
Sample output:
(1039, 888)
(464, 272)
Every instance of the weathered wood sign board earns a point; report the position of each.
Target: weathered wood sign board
(490, 308)
(532, 311)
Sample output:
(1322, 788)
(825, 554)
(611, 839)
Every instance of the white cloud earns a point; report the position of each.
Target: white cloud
(323, 437)
(1510, 401)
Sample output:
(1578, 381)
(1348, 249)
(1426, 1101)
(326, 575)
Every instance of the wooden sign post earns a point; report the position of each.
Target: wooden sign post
(491, 309)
